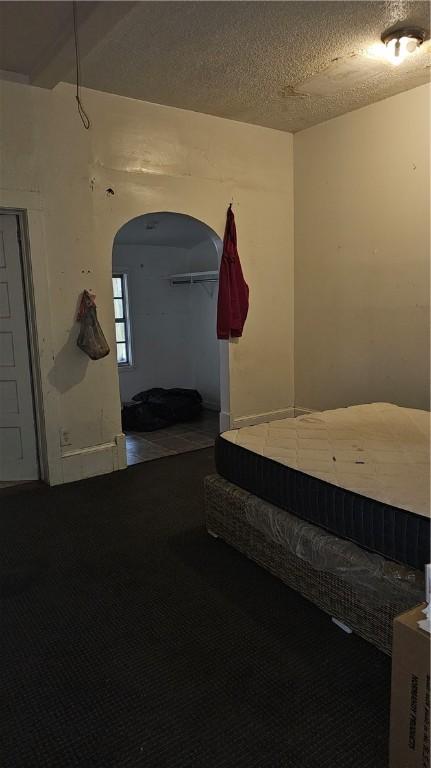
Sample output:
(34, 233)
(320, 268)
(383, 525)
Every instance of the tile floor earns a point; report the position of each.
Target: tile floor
(180, 438)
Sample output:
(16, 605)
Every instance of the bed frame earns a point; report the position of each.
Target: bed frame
(227, 516)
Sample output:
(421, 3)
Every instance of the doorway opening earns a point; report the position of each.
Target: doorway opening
(165, 286)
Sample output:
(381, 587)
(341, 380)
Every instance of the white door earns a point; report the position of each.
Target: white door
(18, 451)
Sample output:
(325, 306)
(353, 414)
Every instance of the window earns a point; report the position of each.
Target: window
(122, 326)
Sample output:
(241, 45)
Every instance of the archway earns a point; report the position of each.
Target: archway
(165, 280)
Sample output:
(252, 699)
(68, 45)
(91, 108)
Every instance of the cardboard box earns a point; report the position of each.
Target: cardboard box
(410, 698)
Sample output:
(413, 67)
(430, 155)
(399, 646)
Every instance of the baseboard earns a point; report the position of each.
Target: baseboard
(260, 418)
(96, 460)
(302, 411)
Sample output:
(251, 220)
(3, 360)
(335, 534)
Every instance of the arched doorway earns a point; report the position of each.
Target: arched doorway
(165, 280)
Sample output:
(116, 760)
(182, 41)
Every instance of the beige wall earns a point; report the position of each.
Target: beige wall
(155, 159)
(362, 228)
(361, 262)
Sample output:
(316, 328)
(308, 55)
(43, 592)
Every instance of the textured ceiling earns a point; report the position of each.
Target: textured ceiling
(168, 229)
(243, 60)
(247, 61)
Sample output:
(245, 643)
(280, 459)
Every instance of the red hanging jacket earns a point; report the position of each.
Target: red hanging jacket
(233, 291)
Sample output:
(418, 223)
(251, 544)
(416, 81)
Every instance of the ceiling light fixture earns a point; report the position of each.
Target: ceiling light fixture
(402, 42)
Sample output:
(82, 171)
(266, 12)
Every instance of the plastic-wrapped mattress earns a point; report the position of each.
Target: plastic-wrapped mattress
(361, 473)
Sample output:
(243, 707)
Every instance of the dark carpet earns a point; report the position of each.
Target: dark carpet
(129, 637)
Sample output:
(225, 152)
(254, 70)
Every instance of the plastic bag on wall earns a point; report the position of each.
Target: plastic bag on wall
(91, 338)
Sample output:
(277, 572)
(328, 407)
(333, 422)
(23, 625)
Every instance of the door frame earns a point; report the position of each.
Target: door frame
(32, 340)
(225, 419)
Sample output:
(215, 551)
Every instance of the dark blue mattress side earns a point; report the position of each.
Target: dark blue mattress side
(394, 533)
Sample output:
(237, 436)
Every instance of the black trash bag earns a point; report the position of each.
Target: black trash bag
(174, 405)
(138, 417)
(146, 394)
(90, 338)
(157, 408)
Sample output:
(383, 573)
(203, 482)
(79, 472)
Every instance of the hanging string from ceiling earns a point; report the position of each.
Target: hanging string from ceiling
(81, 111)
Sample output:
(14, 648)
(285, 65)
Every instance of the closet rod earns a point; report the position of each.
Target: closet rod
(190, 278)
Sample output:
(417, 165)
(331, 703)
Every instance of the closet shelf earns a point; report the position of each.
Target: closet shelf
(190, 278)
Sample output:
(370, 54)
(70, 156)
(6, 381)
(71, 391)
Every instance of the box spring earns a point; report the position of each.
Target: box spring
(226, 517)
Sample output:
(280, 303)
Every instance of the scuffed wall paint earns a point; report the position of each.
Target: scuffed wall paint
(153, 158)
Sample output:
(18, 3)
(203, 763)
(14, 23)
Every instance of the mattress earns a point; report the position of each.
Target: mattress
(361, 473)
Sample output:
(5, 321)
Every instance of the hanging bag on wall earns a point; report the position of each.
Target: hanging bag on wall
(91, 338)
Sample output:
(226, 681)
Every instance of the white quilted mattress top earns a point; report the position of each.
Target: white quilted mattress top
(379, 450)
